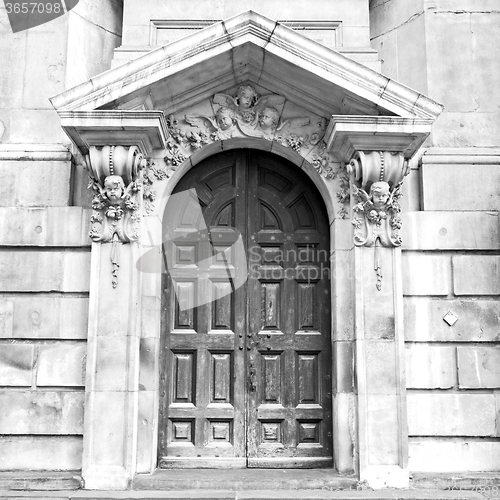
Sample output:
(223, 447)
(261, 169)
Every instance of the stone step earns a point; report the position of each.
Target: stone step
(40, 481)
(476, 481)
(389, 494)
(243, 479)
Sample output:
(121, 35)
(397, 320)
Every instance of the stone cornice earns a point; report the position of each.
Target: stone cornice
(270, 37)
(145, 129)
(348, 134)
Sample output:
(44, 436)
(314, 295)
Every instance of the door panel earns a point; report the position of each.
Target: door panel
(246, 374)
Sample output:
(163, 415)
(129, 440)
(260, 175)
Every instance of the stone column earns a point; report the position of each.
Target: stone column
(119, 393)
(378, 319)
(376, 151)
(111, 404)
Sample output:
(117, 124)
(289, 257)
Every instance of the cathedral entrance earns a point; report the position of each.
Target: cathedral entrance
(246, 364)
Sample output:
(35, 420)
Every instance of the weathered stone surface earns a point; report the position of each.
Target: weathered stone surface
(62, 365)
(112, 362)
(430, 367)
(451, 231)
(343, 367)
(41, 453)
(41, 412)
(476, 275)
(478, 367)
(44, 183)
(35, 316)
(23, 482)
(453, 455)
(16, 364)
(50, 226)
(23, 271)
(149, 369)
(478, 320)
(344, 432)
(425, 274)
(343, 295)
(464, 191)
(381, 363)
(444, 414)
(147, 435)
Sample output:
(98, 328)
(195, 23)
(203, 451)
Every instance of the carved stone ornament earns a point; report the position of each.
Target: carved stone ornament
(115, 177)
(376, 180)
(247, 114)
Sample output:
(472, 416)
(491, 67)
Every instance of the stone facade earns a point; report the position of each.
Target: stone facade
(415, 342)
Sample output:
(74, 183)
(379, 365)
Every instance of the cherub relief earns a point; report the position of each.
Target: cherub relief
(247, 105)
(380, 210)
(222, 126)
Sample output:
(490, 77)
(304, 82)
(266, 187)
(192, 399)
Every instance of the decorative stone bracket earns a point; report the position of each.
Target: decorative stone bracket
(377, 150)
(114, 145)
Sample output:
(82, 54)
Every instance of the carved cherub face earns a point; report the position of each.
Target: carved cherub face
(268, 118)
(379, 192)
(246, 96)
(114, 188)
(225, 118)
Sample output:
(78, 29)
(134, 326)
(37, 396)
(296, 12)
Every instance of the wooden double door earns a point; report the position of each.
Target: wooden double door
(246, 362)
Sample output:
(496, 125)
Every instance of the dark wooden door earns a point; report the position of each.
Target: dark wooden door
(246, 369)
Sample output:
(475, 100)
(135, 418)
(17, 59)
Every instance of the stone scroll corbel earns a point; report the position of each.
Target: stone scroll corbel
(376, 179)
(116, 179)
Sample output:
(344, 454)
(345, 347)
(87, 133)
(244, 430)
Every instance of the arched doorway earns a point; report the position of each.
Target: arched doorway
(246, 370)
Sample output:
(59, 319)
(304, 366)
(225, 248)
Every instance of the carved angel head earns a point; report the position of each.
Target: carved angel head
(269, 118)
(246, 97)
(379, 193)
(225, 118)
(114, 188)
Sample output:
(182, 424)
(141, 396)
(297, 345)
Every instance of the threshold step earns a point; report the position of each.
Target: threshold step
(244, 479)
(40, 480)
(244, 495)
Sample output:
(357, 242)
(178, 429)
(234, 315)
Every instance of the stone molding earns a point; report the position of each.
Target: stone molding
(34, 152)
(346, 135)
(232, 35)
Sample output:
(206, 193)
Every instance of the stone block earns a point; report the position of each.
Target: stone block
(343, 373)
(485, 33)
(468, 187)
(430, 366)
(378, 305)
(382, 430)
(457, 130)
(111, 369)
(445, 414)
(451, 231)
(426, 274)
(41, 412)
(478, 320)
(478, 367)
(54, 226)
(344, 432)
(32, 271)
(343, 295)
(12, 56)
(35, 184)
(147, 433)
(41, 453)
(412, 52)
(380, 367)
(149, 369)
(33, 316)
(46, 60)
(16, 364)
(62, 365)
(476, 275)
(453, 455)
(108, 409)
(457, 67)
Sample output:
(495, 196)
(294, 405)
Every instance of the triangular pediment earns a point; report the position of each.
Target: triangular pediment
(255, 50)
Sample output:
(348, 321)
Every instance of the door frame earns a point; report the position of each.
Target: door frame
(244, 157)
